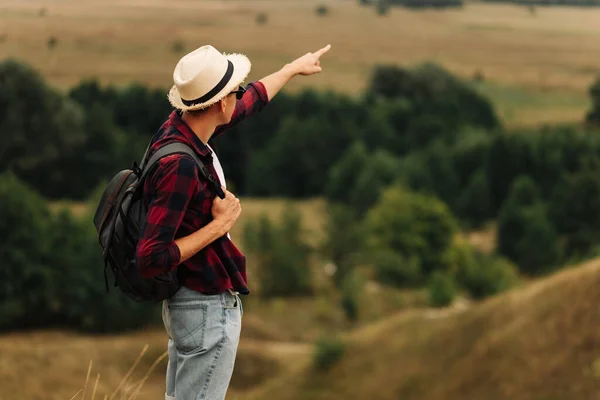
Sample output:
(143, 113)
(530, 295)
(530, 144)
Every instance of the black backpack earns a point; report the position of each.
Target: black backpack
(119, 217)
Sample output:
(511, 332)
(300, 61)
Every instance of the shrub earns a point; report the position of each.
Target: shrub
(328, 351)
(441, 289)
(383, 7)
(282, 252)
(413, 225)
(343, 240)
(391, 268)
(178, 46)
(488, 276)
(262, 18)
(322, 10)
(52, 42)
(352, 290)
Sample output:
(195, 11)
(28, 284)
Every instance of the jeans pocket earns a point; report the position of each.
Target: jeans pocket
(188, 326)
(233, 302)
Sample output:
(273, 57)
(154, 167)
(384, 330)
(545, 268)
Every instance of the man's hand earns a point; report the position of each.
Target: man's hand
(226, 211)
(308, 64)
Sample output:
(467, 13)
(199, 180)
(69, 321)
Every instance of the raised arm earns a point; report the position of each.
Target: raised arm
(308, 64)
(259, 93)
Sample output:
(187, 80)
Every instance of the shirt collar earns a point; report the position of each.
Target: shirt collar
(184, 128)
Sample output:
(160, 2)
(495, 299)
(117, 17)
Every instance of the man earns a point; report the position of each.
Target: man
(188, 225)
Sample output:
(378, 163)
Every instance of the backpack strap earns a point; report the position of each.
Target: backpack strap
(181, 148)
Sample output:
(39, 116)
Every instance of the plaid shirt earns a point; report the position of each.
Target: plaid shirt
(179, 203)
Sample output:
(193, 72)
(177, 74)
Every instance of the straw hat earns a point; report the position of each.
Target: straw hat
(205, 76)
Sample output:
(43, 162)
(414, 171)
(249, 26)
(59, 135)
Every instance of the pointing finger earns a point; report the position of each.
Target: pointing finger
(322, 51)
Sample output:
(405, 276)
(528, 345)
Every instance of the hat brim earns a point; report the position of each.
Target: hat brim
(241, 69)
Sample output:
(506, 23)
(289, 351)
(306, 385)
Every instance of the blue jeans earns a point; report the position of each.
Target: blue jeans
(204, 333)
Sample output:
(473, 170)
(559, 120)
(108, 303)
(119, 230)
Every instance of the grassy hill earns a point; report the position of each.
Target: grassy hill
(537, 68)
(539, 342)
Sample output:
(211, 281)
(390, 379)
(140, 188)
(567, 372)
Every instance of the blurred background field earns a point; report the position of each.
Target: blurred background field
(540, 65)
(420, 220)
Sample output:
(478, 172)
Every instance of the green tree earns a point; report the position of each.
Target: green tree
(475, 203)
(352, 292)
(525, 234)
(31, 112)
(283, 254)
(442, 291)
(575, 210)
(414, 225)
(26, 229)
(343, 175)
(593, 116)
(481, 274)
(394, 269)
(371, 180)
(343, 239)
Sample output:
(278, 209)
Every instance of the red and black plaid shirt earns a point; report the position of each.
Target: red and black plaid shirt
(179, 203)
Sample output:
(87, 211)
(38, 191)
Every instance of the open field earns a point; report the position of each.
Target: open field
(529, 343)
(539, 66)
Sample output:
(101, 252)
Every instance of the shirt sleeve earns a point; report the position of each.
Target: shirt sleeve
(253, 101)
(175, 182)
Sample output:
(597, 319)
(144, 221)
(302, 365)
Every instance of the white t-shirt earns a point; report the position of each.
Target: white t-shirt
(220, 173)
(218, 167)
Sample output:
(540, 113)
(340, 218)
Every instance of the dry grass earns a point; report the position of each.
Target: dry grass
(538, 342)
(50, 365)
(552, 55)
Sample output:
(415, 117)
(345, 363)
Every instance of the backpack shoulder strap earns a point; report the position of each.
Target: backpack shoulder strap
(181, 148)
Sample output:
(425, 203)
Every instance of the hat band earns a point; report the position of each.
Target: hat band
(214, 91)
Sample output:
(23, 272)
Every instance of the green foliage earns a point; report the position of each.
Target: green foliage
(32, 113)
(392, 268)
(25, 227)
(440, 103)
(575, 210)
(178, 46)
(383, 7)
(441, 289)
(53, 269)
(371, 180)
(352, 291)
(322, 10)
(262, 18)
(328, 352)
(482, 275)
(475, 203)
(414, 225)
(282, 253)
(593, 116)
(343, 175)
(343, 239)
(525, 234)
(52, 42)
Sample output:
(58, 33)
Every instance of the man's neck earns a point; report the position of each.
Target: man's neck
(203, 126)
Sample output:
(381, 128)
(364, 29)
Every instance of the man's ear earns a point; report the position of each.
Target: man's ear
(223, 104)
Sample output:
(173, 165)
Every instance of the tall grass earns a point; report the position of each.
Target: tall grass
(127, 389)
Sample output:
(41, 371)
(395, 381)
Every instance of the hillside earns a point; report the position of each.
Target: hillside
(538, 342)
